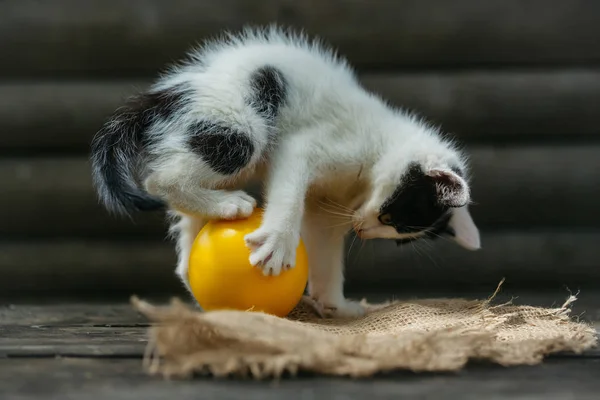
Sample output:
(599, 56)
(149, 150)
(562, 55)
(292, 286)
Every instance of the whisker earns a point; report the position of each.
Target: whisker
(345, 228)
(427, 242)
(351, 244)
(354, 240)
(429, 255)
(336, 213)
(416, 248)
(340, 206)
(441, 237)
(339, 225)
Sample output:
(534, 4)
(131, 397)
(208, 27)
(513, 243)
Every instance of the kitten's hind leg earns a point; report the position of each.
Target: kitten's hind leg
(190, 198)
(201, 169)
(184, 231)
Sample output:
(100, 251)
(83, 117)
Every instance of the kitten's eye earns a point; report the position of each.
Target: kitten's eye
(385, 219)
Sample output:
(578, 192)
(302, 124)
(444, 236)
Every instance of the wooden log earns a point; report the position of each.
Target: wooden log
(117, 269)
(54, 197)
(110, 37)
(57, 116)
(499, 106)
(555, 259)
(68, 37)
(522, 187)
(475, 106)
(388, 34)
(535, 186)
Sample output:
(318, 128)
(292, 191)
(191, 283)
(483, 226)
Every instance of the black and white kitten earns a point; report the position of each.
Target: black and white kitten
(275, 107)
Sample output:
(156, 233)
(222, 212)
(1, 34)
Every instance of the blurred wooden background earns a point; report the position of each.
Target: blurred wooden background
(518, 82)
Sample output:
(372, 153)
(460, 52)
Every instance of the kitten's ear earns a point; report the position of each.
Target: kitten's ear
(463, 229)
(452, 190)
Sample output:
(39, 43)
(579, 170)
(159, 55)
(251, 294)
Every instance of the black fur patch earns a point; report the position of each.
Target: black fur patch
(116, 148)
(226, 150)
(269, 89)
(437, 229)
(166, 103)
(147, 108)
(414, 206)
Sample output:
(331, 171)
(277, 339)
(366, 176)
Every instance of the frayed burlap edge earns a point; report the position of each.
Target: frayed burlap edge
(417, 335)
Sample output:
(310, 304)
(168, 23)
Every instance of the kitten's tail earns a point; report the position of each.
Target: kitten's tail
(116, 152)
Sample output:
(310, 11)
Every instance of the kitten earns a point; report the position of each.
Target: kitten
(275, 107)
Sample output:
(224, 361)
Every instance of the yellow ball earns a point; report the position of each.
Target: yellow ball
(221, 277)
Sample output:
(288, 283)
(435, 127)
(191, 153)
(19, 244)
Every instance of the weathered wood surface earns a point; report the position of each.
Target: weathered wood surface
(115, 329)
(83, 342)
(108, 37)
(72, 314)
(513, 188)
(118, 269)
(475, 106)
(120, 379)
(94, 351)
(72, 329)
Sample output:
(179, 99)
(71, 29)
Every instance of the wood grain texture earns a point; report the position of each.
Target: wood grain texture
(68, 37)
(57, 116)
(499, 106)
(120, 379)
(475, 106)
(112, 37)
(54, 197)
(389, 34)
(116, 270)
(79, 342)
(553, 259)
(513, 188)
(116, 330)
(71, 314)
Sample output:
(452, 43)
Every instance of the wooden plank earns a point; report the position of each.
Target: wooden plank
(89, 268)
(54, 196)
(476, 106)
(99, 379)
(39, 341)
(71, 314)
(108, 37)
(116, 270)
(114, 329)
(557, 260)
(499, 106)
(25, 318)
(535, 186)
(57, 115)
(66, 37)
(435, 33)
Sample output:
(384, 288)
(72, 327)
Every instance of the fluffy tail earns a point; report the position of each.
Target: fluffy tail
(116, 153)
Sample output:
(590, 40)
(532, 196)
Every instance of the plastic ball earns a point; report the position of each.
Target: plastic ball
(221, 276)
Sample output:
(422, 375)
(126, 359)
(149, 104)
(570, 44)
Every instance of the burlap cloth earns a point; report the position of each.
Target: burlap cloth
(416, 335)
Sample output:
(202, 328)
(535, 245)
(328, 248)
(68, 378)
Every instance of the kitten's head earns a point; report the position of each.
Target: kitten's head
(424, 200)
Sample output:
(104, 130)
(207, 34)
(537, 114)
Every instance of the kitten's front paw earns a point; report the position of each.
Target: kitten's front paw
(236, 204)
(345, 309)
(272, 250)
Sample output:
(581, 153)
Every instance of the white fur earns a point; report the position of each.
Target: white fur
(340, 152)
